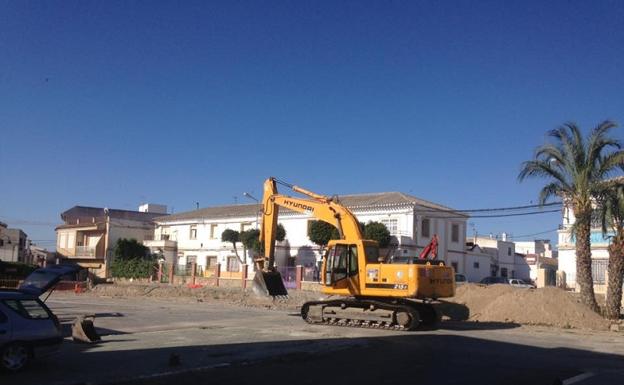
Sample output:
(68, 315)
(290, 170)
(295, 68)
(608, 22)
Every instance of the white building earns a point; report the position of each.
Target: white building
(567, 251)
(479, 262)
(538, 254)
(196, 235)
(504, 260)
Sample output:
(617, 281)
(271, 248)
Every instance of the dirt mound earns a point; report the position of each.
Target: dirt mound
(235, 296)
(496, 303)
(547, 306)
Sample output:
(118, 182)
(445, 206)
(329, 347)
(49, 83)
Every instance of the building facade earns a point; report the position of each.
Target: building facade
(13, 245)
(195, 236)
(567, 251)
(504, 260)
(88, 234)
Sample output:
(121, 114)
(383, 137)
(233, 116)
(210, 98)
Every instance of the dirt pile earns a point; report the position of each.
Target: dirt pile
(547, 306)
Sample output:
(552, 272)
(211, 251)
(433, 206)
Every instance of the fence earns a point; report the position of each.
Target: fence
(289, 276)
(194, 275)
(311, 274)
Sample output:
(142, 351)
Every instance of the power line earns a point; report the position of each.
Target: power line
(495, 215)
(511, 208)
(531, 235)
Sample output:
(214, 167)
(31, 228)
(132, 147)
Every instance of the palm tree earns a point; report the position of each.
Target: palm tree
(576, 168)
(612, 217)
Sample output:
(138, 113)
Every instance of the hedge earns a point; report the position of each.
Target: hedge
(132, 268)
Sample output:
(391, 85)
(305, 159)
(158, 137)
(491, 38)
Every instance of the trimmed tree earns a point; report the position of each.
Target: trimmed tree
(233, 237)
(377, 231)
(575, 168)
(320, 232)
(251, 238)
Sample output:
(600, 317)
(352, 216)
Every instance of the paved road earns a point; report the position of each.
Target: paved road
(143, 338)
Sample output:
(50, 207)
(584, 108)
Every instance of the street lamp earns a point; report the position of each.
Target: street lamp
(248, 195)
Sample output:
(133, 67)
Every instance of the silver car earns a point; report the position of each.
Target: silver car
(515, 282)
(28, 328)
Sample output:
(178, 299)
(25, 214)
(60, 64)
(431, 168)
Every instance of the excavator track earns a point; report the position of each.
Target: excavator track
(400, 315)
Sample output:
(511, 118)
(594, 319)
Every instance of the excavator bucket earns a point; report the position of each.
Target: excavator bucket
(269, 283)
(84, 331)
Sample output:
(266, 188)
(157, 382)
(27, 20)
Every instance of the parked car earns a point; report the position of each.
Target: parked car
(28, 328)
(460, 279)
(494, 280)
(515, 282)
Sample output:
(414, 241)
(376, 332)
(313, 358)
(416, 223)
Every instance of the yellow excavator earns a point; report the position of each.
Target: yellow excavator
(364, 290)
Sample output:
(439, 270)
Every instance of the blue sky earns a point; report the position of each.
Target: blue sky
(117, 103)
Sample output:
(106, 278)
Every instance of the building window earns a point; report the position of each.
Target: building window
(504, 272)
(509, 251)
(391, 225)
(193, 234)
(233, 264)
(211, 262)
(190, 259)
(164, 233)
(475, 265)
(455, 233)
(425, 228)
(213, 231)
(1, 242)
(455, 266)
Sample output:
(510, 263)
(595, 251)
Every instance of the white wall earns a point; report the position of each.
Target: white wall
(297, 243)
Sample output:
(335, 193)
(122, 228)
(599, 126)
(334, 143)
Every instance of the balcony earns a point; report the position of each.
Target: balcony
(80, 252)
(85, 251)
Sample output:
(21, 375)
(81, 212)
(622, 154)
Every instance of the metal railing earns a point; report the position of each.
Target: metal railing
(599, 268)
(85, 251)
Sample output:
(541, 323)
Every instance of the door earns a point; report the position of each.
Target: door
(336, 272)
(353, 271)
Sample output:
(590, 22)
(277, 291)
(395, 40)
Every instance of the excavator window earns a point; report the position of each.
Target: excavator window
(372, 254)
(353, 260)
(340, 262)
(336, 264)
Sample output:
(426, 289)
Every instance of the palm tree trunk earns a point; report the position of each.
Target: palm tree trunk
(583, 262)
(616, 275)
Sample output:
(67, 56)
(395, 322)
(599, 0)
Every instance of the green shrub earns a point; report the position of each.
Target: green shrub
(132, 268)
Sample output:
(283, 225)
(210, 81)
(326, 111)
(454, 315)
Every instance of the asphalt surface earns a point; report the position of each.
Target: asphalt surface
(151, 341)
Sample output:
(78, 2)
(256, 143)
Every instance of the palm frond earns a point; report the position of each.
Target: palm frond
(540, 168)
(551, 190)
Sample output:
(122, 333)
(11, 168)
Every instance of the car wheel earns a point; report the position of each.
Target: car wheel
(14, 357)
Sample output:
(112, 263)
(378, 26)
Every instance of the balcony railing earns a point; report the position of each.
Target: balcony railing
(85, 251)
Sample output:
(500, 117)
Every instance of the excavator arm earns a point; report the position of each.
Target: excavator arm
(267, 280)
(318, 206)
